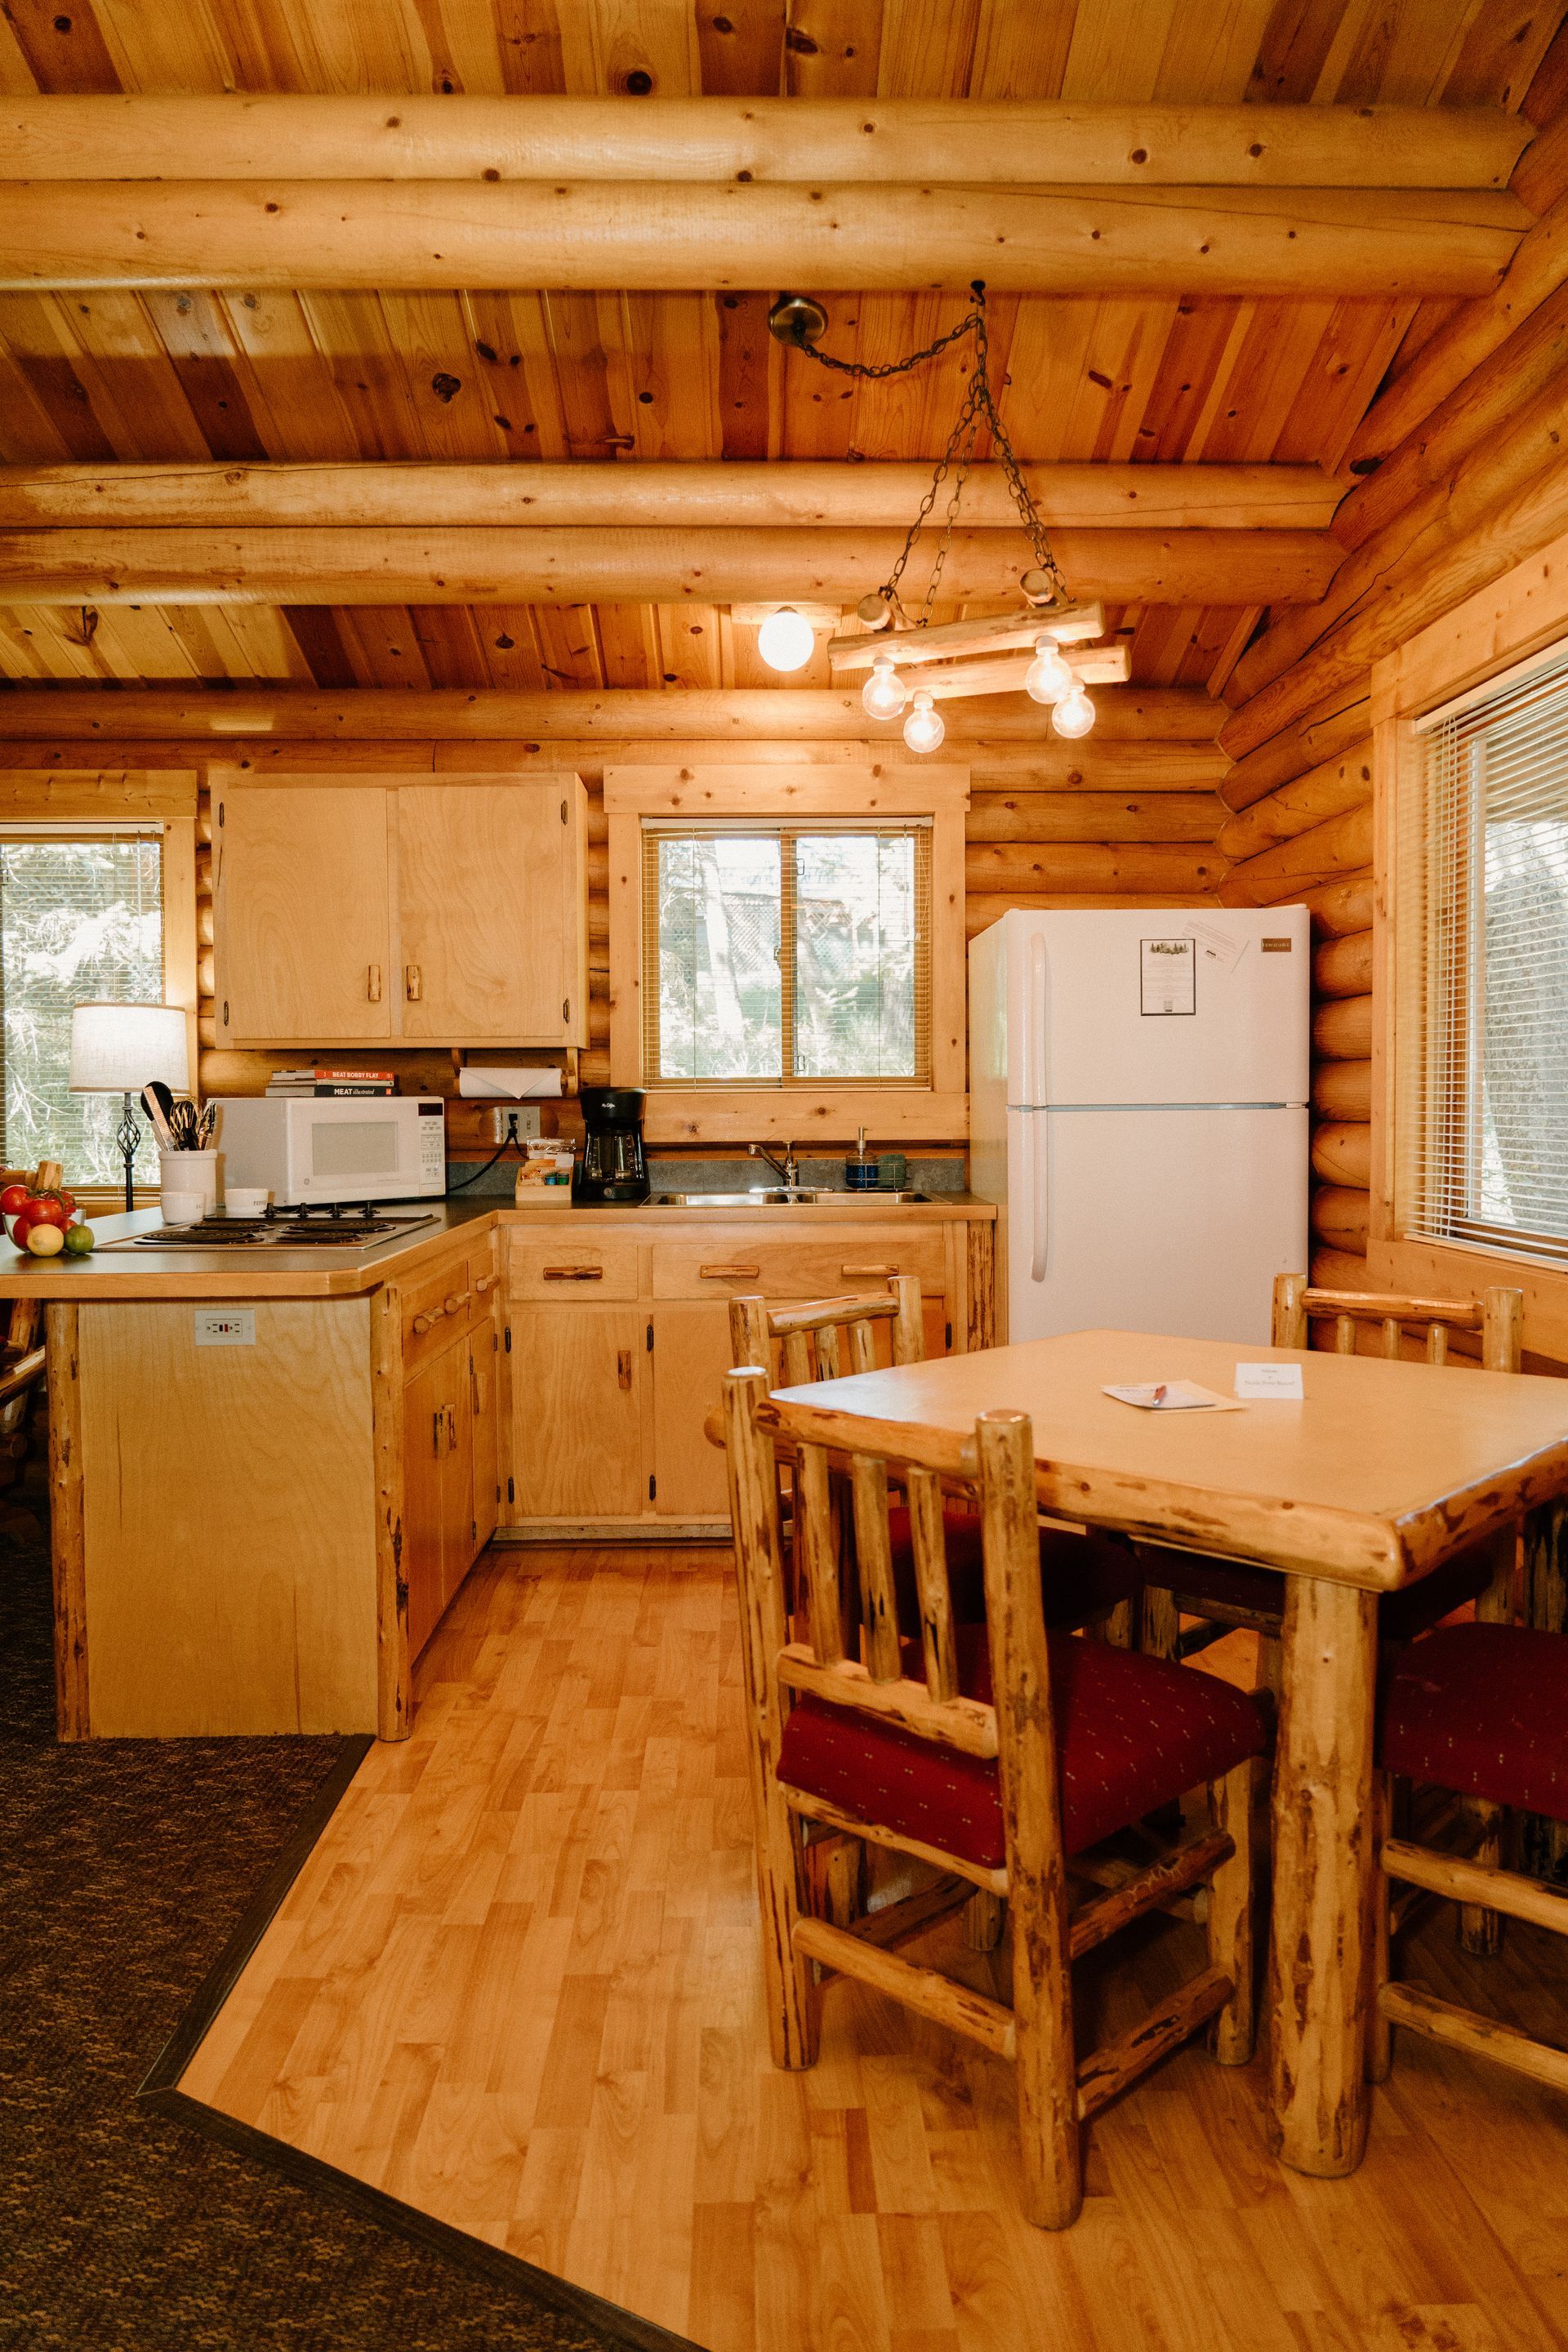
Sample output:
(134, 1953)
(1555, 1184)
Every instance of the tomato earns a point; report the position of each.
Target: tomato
(46, 1241)
(20, 1223)
(12, 1198)
(47, 1210)
(78, 1241)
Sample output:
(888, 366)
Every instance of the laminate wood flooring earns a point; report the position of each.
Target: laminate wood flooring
(517, 1985)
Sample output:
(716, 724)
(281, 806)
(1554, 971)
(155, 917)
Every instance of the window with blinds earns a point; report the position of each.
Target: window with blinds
(1481, 928)
(81, 921)
(776, 957)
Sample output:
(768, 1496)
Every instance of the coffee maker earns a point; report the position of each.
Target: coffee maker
(614, 1168)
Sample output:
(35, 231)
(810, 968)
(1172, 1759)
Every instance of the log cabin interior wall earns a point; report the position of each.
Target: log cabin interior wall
(1270, 484)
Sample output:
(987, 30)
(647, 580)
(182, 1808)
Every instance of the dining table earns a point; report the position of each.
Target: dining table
(1380, 1473)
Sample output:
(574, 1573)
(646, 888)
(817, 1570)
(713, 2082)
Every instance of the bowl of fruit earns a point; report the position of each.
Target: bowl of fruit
(46, 1223)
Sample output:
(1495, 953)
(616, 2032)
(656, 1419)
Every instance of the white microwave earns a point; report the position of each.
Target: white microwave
(314, 1147)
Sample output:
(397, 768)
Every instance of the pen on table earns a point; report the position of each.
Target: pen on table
(1159, 1393)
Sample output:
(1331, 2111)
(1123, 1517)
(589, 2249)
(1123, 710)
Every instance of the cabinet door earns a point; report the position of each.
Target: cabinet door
(482, 1386)
(426, 1480)
(302, 915)
(577, 1388)
(690, 1358)
(493, 922)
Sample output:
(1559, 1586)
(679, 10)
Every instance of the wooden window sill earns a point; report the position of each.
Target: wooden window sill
(1455, 1270)
(803, 1115)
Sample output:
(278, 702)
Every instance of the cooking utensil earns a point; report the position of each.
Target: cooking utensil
(155, 1111)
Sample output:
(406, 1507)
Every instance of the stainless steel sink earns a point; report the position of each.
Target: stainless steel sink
(798, 1197)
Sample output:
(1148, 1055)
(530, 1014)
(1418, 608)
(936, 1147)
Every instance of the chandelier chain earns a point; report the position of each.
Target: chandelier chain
(978, 406)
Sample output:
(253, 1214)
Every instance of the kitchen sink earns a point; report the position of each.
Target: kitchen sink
(796, 1197)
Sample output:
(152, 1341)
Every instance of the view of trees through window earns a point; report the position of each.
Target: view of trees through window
(786, 956)
(81, 922)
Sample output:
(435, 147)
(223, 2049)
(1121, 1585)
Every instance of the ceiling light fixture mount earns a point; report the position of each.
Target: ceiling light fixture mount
(1049, 621)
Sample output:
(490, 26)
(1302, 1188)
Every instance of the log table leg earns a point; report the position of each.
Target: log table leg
(1324, 1863)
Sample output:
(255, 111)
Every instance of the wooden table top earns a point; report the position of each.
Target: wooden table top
(1381, 1473)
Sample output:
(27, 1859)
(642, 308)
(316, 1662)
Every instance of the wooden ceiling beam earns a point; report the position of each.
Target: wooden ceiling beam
(1130, 714)
(647, 235)
(262, 566)
(798, 494)
(1004, 141)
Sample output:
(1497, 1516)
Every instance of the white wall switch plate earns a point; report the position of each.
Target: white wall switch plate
(225, 1327)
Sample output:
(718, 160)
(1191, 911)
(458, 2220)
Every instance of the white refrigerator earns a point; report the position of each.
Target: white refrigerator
(1139, 1084)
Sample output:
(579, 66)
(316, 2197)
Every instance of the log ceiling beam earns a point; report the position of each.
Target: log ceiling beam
(849, 140)
(650, 236)
(791, 495)
(263, 565)
(1127, 714)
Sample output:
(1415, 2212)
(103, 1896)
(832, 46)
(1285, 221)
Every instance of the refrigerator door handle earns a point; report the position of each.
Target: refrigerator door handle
(1034, 1025)
(1038, 1172)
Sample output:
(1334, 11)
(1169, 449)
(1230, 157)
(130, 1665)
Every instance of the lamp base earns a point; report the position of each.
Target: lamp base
(128, 1135)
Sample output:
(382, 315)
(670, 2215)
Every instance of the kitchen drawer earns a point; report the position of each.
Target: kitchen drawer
(561, 1266)
(728, 1264)
(443, 1304)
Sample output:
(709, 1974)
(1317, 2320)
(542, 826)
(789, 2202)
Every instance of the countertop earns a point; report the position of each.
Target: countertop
(271, 1273)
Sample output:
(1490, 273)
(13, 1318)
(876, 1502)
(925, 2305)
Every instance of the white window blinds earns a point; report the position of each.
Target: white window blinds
(1482, 949)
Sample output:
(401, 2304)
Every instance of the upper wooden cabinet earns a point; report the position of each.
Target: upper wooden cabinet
(385, 911)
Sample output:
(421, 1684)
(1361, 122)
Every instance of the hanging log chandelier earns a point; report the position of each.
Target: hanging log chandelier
(1047, 651)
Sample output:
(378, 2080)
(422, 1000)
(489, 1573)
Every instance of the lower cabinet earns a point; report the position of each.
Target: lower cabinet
(690, 1357)
(438, 1533)
(579, 1393)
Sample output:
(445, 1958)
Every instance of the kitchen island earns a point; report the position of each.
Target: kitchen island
(271, 1467)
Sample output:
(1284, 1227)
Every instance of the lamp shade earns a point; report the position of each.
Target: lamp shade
(118, 1049)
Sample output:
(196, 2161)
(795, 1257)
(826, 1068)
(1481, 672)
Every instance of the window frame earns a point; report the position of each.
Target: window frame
(1519, 620)
(788, 795)
(108, 799)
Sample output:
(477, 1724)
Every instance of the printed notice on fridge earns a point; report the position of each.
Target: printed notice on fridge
(1168, 976)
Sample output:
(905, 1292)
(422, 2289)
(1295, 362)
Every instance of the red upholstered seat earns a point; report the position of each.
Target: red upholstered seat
(1133, 1733)
(1483, 1710)
(1081, 1576)
(1236, 1584)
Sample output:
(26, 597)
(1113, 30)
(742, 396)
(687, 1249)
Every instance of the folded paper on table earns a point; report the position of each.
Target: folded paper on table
(512, 1085)
(1173, 1396)
(1282, 1382)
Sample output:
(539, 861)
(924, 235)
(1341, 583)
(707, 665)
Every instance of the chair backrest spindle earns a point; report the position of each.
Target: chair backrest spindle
(1497, 1317)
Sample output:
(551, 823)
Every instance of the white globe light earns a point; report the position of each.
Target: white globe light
(884, 694)
(1074, 714)
(784, 640)
(1048, 677)
(923, 729)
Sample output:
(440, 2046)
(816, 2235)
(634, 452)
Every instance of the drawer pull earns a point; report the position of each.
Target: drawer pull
(458, 1300)
(730, 1273)
(427, 1321)
(867, 1269)
(574, 1274)
(483, 1283)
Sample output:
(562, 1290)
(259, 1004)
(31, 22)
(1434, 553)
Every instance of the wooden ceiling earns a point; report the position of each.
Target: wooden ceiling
(107, 377)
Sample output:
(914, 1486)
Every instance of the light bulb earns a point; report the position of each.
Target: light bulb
(1074, 714)
(884, 694)
(923, 729)
(784, 640)
(1048, 677)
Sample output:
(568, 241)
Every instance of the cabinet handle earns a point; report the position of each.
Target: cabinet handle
(451, 1430)
(730, 1273)
(574, 1274)
(373, 984)
(624, 1367)
(867, 1269)
(458, 1301)
(412, 982)
(427, 1321)
(483, 1283)
(436, 1418)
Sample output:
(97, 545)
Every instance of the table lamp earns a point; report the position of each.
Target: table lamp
(118, 1049)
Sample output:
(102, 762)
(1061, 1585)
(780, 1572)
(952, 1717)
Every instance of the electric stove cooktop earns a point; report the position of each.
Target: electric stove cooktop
(340, 1225)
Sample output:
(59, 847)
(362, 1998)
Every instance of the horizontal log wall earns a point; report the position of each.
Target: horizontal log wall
(1112, 823)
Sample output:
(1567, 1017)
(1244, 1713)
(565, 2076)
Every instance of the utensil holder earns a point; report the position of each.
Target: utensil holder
(190, 1172)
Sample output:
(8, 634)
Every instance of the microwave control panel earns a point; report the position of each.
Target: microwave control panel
(432, 1132)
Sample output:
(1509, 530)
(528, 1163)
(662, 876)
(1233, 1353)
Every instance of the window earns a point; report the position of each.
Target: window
(80, 919)
(776, 956)
(1481, 934)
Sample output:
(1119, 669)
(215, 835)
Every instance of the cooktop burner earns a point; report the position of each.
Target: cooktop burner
(346, 1224)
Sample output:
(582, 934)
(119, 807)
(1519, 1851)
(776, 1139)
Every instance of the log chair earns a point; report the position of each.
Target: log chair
(908, 1751)
(1229, 1593)
(1481, 1710)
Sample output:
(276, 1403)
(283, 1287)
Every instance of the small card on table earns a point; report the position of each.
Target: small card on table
(1279, 1382)
(1173, 1396)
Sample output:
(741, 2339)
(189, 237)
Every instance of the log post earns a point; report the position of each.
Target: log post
(67, 1533)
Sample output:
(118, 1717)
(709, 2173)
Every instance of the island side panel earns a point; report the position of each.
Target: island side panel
(229, 1520)
(64, 1373)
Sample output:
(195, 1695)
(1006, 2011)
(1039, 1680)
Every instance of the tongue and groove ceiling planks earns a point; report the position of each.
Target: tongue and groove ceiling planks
(110, 375)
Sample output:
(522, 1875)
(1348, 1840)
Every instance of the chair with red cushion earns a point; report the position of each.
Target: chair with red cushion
(993, 1752)
(1481, 1710)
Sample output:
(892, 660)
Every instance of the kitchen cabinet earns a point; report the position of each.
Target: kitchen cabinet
(437, 1498)
(385, 912)
(486, 1431)
(620, 1340)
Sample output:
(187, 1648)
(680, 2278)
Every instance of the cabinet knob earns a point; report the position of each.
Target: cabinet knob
(483, 1283)
(423, 1323)
(373, 984)
(458, 1301)
(413, 983)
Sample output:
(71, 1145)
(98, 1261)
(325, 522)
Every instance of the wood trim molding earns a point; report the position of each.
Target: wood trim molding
(939, 1112)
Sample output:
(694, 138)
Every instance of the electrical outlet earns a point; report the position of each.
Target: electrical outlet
(525, 1118)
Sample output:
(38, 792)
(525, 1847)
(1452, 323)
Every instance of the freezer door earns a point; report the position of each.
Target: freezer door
(1210, 1005)
(1171, 1220)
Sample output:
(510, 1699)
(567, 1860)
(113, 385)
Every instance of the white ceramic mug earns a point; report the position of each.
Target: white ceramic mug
(183, 1208)
(246, 1200)
(190, 1172)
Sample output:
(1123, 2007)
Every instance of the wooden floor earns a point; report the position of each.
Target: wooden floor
(517, 1985)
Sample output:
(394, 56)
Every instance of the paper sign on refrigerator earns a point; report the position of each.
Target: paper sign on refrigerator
(1168, 976)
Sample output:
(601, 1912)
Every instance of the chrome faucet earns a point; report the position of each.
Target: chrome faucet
(788, 1173)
